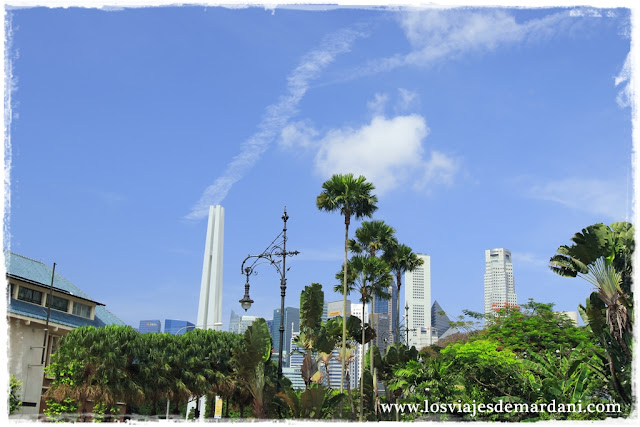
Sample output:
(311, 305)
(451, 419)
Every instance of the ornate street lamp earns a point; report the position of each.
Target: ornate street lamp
(406, 323)
(275, 254)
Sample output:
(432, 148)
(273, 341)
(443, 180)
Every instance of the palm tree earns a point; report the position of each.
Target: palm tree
(615, 243)
(369, 276)
(351, 197)
(607, 282)
(401, 259)
(373, 237)
(602, 255)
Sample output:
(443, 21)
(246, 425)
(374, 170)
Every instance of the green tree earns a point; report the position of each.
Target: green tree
(401, 259)
(311, 307)
(615, 243)
(251, 363)
(534, 327)
(602, 255)
(369, 276)
(352, 197)
(316, 402)
(155, 369)
(14, 399)
(98, 365)
(374, 238)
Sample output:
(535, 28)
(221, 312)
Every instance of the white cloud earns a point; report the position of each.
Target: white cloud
(446, 34)
(406, 99)
(439, 169)
(624, 96)
(378, 104)
(297, 134)
(600, 197)
(388, 152)
(275, 119)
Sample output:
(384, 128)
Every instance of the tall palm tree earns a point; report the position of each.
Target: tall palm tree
(372, 237)
(370, 277)
(401, 259)
(351, 197)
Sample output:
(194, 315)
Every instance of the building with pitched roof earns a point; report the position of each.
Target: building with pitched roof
(39, 313)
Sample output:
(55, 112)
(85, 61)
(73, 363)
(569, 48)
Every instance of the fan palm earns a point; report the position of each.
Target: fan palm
(607, 282)
(352, 197)
(373, 237)
(370, 277)
(401, 259)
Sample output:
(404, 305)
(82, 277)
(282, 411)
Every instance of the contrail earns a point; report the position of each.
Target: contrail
(275, 118)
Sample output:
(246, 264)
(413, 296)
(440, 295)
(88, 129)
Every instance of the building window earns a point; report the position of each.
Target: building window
(30, 295)
(60, 304)
(82, 310)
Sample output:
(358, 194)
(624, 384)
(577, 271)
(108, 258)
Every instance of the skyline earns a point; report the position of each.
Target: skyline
(481, 128)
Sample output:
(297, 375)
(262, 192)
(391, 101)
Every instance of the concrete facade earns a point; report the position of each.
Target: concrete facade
(417, 295)
(30, 347)
(499, 286)
(210, 303)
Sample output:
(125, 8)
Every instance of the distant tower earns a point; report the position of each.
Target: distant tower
(499, 287)
(210, 305)
(417, 295)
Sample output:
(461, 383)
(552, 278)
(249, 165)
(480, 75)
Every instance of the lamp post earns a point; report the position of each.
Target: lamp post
(275, 254)
(406, 322)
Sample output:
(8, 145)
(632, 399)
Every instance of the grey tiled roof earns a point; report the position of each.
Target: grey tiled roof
(35, 271)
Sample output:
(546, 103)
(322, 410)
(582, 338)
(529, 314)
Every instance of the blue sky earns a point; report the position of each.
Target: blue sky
(479, 127)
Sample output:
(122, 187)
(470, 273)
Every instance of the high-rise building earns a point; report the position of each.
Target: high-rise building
(440, 323)
(239, 324)
(245, 322)
(177, 327)
(499, 287)
(417, 295)
(335, 369)
(294, 374)
(386, 307)
(291, 323)
(356, 310)
(382, 326)
(150, 327)
(234, 322)
(334, 308)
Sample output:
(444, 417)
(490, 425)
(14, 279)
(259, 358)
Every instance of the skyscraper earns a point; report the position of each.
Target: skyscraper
(417, 294)
(334, 308)
(440, 323)
(149, 327)
(291, 323)
(234, 322)
(499, 287)
(177, 327)
(386, 308)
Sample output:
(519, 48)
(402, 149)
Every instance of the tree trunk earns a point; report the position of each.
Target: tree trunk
(362, 368)
(347, 220)
(399, 283)
(353, 410)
